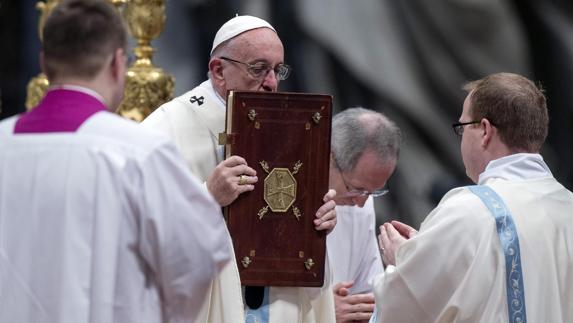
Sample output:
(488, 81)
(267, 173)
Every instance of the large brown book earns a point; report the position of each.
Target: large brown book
(285, 137)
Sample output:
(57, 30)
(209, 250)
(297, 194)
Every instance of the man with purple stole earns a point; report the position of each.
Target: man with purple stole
(100, 220)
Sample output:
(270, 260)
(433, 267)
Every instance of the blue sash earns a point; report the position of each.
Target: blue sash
(261, 314)
(510, 244)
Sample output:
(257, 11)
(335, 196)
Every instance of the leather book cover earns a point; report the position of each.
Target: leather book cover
(285, 137)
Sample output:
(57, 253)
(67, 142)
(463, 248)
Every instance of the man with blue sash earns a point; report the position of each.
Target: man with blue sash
(500, 251)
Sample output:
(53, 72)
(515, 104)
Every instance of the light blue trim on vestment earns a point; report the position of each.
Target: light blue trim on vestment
(510, 245)
(261, 314)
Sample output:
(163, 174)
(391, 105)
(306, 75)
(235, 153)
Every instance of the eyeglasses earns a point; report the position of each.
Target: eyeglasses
(260, 70)
(459, 127)
(362, 193)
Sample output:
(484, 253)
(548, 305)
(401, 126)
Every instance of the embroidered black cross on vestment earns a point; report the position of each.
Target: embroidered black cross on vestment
(199, 100)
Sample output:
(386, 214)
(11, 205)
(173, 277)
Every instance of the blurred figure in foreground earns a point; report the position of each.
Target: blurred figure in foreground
(100, 219)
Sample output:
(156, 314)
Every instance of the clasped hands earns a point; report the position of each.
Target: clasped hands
(352, 307)
(392, 235)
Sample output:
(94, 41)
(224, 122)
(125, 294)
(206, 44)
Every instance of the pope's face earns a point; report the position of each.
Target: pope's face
(256, 46)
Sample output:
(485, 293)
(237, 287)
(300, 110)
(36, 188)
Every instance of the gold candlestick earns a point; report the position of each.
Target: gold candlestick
(146, 86)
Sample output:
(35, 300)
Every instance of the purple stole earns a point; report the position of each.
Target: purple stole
(61, 110)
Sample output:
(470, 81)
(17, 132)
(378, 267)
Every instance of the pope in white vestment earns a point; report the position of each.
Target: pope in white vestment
(454, 270)
(193, 121)
(100, 221)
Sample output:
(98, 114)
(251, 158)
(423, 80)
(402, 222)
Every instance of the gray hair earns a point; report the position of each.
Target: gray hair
(226, 48)
(356, 130)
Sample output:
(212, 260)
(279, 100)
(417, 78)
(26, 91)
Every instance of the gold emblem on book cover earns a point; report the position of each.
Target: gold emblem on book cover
(280, 189)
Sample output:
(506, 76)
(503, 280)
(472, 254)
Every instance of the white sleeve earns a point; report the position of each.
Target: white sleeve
(443, 272)
(183, 237)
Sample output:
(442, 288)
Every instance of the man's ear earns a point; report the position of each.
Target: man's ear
(332, 161)
(216, 70)
(118, 63)
(488, 131)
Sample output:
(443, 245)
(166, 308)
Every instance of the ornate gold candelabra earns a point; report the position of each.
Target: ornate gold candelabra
(146, 86)
(38, 85)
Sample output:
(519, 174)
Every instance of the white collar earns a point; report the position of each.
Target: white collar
(520, 166)
(78, 88)
(208, 86)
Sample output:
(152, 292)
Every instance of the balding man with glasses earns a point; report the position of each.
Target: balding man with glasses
(364, 153)
(247, 54)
